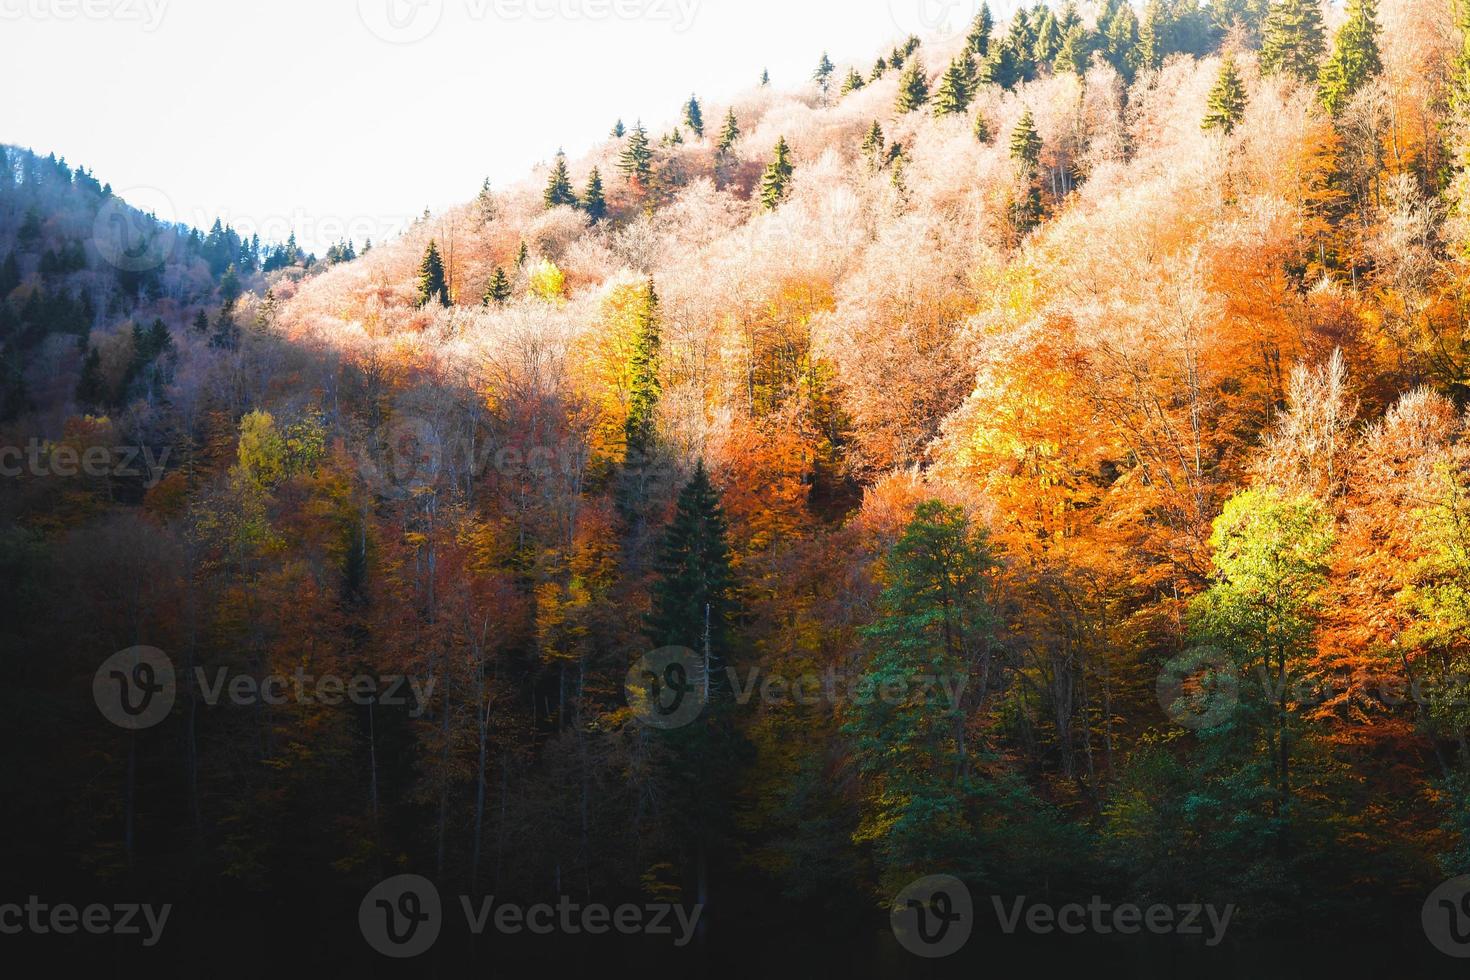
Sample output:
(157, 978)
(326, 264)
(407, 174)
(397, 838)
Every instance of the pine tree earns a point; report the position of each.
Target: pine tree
(201, 321)
(432, 285)
(823, 74)
(1227, 99)
(730, 134)
(619, 130)
(880, 67)
(1152, 35)
(777, 176)
(523, 255)
(1292, 39)
(694, 589)
(498, 291)
(645, 391)
(694, 117)
(89, 385)
(559, 185)
(853, 83)
(1048, 37)
(953, 97)
(1121, 43)
(1003, 67)
(978, 42)
(1026, 142)
(982, 128)
(913, 87)
(1074, 52)
(874, 146)
(593, 201)
(765, 78)
(636, 162)
(1355, 57)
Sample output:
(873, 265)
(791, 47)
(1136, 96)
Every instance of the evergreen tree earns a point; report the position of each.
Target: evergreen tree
(636, 162)
(1003, 67)
(1026, 142)
(523, 255)
(645, 391)
(730, 134)
(1292, 39)
(1153, 35)
(498, 291)
(777, 177)
(1048, 38)
(619, 130)
(1121, 42)
(1227, 99)
(432, 285)
(913, 87)
(823, 74)
(89, 385)
(953, 97)
(874, 146)
(982, 128)
(694, 117)
(765, 78)
(1355, 58)
(593, 201)
(978, 43)
(559, 191)
(1072, 57)
(880, 67)
(694, 589)
(201, 321)
(853, 83)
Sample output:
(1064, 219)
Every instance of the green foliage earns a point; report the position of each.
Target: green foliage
(641, 428)
(432, 285)
(1073, 54)
(636, 161)
(498, 290)
(1227, 99)
(874, 146)
(1026, 143)
(775, 183)
(730, 134)
(559, 191)
(954, 95)
(694, 117)
(694, 589)
(1292, 39)
(978, 41)
(593, 201)
(619, 130)
(1355, 58)
(823, 74)
(913, 87)
(853, 82)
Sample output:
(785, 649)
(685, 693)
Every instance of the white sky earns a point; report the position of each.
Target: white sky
(283, 115)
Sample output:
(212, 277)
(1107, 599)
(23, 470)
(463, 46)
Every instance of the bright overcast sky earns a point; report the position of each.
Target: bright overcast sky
(323, 115)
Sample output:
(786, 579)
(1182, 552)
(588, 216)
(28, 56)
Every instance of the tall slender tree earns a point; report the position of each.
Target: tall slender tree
(1227, 99)
(636, 161)
(593, 201)
(432, 285)
(559, 191)
(913, 87)
(953, 97)
(1355, 58)
(777, 178)
(1292, 39)
(694, 117)
(730, 134)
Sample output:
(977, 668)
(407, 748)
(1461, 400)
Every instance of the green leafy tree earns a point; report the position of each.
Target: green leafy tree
(1227, 99)
(432, 284)
(1355, 58)
(593, 201)
(913, 87)
(559, 191)
(775, 183)
(694, 117)
(1292, 39)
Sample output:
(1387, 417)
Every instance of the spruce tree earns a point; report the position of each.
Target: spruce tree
(523, 255)
(875, 146)
(694, 117)
(1227, 99)
(982, 128)
(432, 284)
(1003, 67)
(593, 201)
(694, 589)
(644, 392)
(636, 162)
(777, 176)
(201, 321)
(913, 87)
(498, 291)
(880, 67)
(730, 134)
(765, 77)
(1292, 39)
(1026, 142)
(1121, 43)
(619, 130)
(1355, 58)
(978, 42)
(559, 185)
(1152, 36)
(823, 74)
(1048, 38)
(89, 385)
(1074, 52)
(953, 97)
(853, 83)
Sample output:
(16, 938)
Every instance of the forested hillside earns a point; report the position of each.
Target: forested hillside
(1104, 368)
